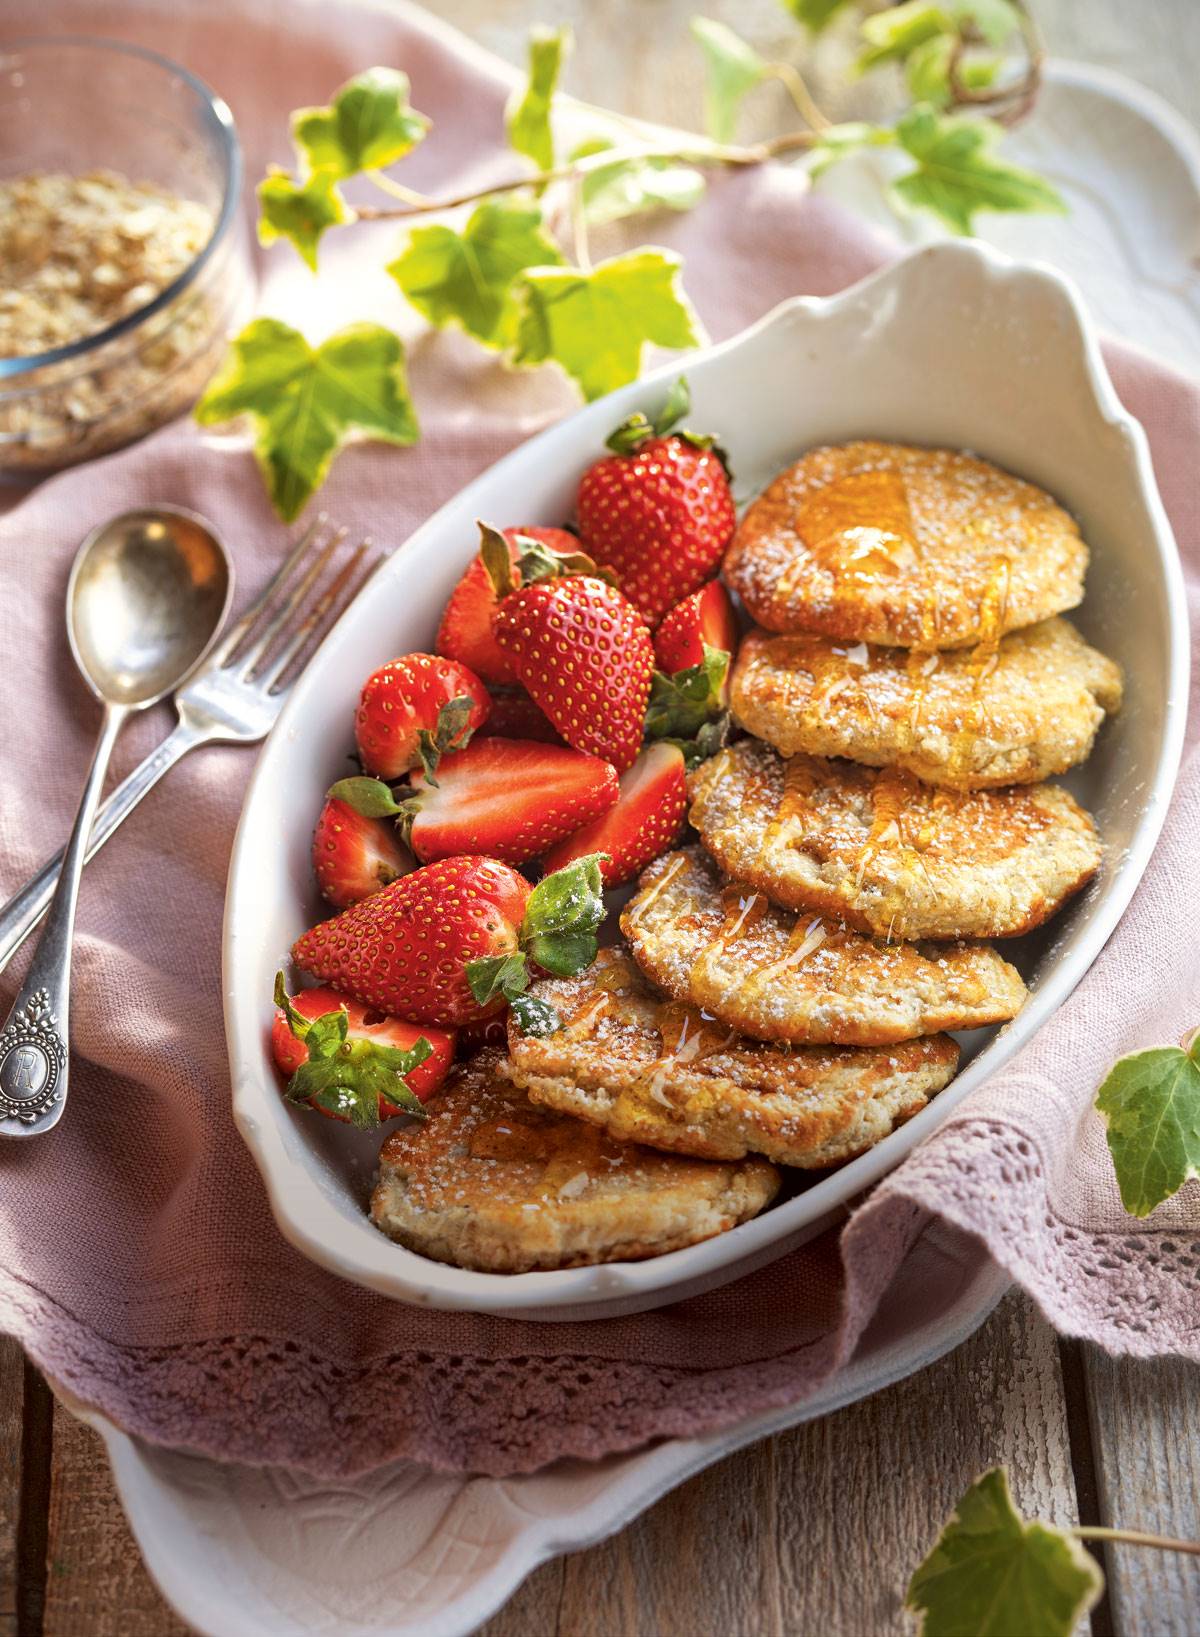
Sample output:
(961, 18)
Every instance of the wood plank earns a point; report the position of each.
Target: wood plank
(1146, 1435)
(818, 1529)
(96, 1585)
(12, 1403)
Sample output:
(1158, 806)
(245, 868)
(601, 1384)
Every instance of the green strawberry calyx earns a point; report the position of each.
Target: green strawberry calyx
(686, 709)
(639, 428)
(535, 561)
(349, 1078)
(557, 934)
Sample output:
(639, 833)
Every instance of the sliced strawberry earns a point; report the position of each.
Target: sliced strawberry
(585, 656)
(353, 1064)
(451, 942)
(415, 708)
(466, 630)
(658, 510)
(706, 619)
(644, 823)
(354, 856)
(509, 798)
(516, 716)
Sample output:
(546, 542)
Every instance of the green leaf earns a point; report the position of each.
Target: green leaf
(680, 705)
(991, 1574)
(300, 211)
(892, 34)
(529, 129)
(731, 68)
(561, 917)
(595, 325)
(1151, 1103)
(369, 125)
(305, 401)
(815, 14)
(927, 71)
(631, 186)
(466, 278)
(493, 975)
(713, 736)
(958, 174)
(995, 19)
(370, 797)
(836, 141)
(349, 1077)
(635, 429)
(535, 1016)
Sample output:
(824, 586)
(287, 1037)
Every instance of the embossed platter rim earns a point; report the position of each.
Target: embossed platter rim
(955, 344)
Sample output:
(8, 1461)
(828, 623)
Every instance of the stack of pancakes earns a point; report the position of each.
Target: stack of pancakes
(786, 986)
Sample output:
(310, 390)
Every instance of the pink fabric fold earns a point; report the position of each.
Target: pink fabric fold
(139, 1263)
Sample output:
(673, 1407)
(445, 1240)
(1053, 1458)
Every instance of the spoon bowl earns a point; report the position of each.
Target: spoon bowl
(147, 595)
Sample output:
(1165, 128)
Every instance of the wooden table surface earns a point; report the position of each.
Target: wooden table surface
(814, 1531)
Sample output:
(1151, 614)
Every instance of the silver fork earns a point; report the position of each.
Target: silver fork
(233, 698)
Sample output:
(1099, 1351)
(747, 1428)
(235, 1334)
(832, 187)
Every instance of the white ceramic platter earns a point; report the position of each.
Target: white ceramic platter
(955, 345)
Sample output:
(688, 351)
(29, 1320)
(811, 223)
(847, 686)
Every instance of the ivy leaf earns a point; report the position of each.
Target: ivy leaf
(630, 186)
(927, 71)
(369, 125)
(595, 325)
(731, 68)
(995, 19)
(529, 130)
(836, 141)
(1151, 1103)
(305, 401)
(958, 174)
(300, 211)
(991, 1574)
(815, 14)
(466, 278)
(892, 34)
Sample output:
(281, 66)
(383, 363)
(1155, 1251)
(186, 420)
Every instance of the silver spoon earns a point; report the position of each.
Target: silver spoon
(147, 595)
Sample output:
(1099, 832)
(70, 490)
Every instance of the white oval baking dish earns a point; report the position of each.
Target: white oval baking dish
(954, 345)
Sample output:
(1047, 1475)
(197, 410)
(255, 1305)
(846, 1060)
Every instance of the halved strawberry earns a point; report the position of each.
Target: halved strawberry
(516, 716)
(658, 510)
(415, 708)
(706, 619)
(449, 943)
(584, 654)
(644, 823)
(508, 798)
(353, 1064)
(354, 856)
(465, 632)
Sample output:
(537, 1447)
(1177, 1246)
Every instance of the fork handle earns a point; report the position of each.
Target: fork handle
(25, 908)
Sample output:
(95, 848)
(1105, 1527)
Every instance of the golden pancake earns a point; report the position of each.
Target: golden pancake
(656, 1071)
(491, 1182)
(769, 973)
(886, 854)
(1016, 716)
(920, 548)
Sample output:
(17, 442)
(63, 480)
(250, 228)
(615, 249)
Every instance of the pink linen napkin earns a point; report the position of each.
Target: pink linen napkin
(139, 1264)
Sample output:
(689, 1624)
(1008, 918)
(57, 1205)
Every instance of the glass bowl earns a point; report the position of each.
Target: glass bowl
(77, 106)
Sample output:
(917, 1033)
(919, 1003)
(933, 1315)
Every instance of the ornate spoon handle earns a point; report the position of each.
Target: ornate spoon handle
(35, 1042)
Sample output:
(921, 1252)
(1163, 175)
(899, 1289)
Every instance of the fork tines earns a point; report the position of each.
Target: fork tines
(318, 579)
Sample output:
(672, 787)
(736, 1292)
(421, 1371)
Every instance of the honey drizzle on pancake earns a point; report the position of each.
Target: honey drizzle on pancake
(660, 886)
(685, 1039)
(993, 612)
(804, 940)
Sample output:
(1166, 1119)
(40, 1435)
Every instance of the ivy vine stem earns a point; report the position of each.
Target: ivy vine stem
(1135, 1537)
(699, 154)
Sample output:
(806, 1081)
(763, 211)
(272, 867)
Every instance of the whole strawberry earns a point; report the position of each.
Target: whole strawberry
(584, 654)
(657, 511)
(448, 943)
(415, 708)
(465, 632)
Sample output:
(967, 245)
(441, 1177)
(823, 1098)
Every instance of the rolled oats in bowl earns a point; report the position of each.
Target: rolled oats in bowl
(119, 281)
